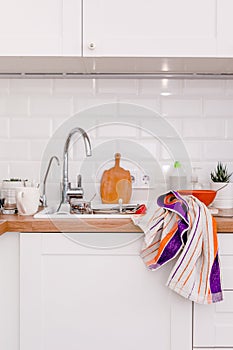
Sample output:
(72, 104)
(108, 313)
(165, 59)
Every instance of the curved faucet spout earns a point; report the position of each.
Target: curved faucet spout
(43, 198)
(65, 178)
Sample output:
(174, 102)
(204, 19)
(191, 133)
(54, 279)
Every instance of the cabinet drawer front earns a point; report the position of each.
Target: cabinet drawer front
(92, 243)
(225, 241)
(226, 306)
(227, 272)
(226, 259)
(213, 324)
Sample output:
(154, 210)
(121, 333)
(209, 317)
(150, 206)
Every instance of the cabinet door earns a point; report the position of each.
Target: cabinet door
(213, 324)
(149, 28)
(92, 291)
(9, 291)
(225, 28)
(40, 27)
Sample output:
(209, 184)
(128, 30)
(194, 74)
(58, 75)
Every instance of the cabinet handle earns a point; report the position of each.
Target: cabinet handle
(91, 46)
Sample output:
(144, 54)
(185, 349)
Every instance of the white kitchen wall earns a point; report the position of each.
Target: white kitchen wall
(32, 109)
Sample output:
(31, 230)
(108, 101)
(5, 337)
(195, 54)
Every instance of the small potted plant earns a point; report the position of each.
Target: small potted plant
(219, 176)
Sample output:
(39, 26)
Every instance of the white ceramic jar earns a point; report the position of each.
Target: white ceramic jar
(8, 195)
(224, 198)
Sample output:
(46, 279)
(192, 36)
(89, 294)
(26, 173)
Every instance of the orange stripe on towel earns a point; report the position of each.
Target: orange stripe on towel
(150, 246)
(208, 249)
(187, 265)
(163, 244)
(215, 238)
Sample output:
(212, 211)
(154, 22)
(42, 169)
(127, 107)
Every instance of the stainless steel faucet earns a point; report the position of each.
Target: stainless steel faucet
(43, 198)
(67, 190)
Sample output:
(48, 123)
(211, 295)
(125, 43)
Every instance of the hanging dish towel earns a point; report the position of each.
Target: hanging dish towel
(182, 225)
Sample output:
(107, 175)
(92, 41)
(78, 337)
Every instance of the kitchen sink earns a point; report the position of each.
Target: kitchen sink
(99, 212)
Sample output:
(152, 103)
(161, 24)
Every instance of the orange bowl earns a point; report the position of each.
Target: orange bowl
(205, 196)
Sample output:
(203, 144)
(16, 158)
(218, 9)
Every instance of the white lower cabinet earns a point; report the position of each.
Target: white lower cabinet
(213, 324)
(9, 291)
(92, 291)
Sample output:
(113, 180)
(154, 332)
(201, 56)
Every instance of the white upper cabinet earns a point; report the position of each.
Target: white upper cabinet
(225, 28)
(158, 28)
(122, 28)
(40, 28)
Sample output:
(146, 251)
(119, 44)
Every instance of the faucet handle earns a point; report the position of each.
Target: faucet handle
(79, 181)
(75, 192)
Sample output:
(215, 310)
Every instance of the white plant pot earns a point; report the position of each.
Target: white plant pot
(224, 198)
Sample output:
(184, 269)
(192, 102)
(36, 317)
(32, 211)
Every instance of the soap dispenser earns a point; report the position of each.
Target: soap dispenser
(195, 185)
(177, 179)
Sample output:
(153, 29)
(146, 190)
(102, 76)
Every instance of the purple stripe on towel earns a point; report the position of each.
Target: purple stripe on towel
(215, 283)
(174, 245)
(191, 290)
(156, 224)
(171, 249)
(179, 205)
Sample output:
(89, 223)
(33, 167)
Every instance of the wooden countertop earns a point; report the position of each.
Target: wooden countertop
(17, 223)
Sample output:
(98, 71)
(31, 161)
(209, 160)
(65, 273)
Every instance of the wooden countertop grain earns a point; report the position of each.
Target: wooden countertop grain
(17, 223)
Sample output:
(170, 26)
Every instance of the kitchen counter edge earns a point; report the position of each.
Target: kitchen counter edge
(17, 223)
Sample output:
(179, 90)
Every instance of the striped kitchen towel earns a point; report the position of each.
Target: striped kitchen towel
(182, 225)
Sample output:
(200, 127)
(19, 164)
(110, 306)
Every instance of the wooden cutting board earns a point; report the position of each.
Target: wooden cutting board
(116, 183)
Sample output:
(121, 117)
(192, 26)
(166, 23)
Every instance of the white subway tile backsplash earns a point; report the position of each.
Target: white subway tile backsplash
(194, 149)
(4, 86)
(4, 170)
(204, 87)
(216, 107)
(14, 105)
(30, 86)
(229, 87)
(181, 107)
(150, 87)
(160, 128)
(176, 149)
(13, 150)
(120, 86)
(74, 86)
(32, 110)
(29, 170)
(50, 106)
(204, 128)
(216, 150)
(30, 128)
(165, 153)
(177, 124)
(86, 103)
(229, 128)
(37, 149)
(116, 130)
(150, 104)
(4, 129)
(152, 147)
(57, 123)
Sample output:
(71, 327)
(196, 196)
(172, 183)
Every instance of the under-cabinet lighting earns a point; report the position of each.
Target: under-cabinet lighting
(165, 93)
